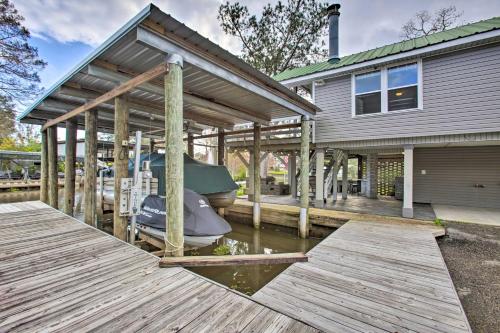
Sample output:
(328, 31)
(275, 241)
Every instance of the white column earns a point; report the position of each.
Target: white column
(408, 182)
(293, 171)
(320, 163)
(371, 176)
(345, 169)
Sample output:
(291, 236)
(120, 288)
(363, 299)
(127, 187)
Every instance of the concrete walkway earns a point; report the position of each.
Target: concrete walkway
(359, 204)
(488, 216)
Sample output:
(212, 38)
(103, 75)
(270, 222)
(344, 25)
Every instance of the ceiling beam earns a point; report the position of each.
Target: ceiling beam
(78, 94)
(106, 73)
(120, 90)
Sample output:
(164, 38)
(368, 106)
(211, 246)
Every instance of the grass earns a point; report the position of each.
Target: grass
(438, 222)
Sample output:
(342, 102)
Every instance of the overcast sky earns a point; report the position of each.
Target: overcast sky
(67, 30)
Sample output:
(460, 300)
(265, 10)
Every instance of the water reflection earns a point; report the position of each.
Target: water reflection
(247, 240)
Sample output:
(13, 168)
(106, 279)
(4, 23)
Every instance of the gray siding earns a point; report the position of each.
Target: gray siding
(461, 94)
(452, 172)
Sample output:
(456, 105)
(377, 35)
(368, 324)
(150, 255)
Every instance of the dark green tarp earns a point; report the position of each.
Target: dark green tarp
(200, 177)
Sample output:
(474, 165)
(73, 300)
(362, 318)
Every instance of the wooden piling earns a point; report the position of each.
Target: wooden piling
(220, 146)
(120, 155)
(174, 147)
(190, 143)
(44, 170)
(89, 186)
(304, 179)
(52, 165)
(69, 167)
(256, 175)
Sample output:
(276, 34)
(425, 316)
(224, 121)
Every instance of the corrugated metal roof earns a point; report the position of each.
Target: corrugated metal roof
(123, 55)
(404, 46)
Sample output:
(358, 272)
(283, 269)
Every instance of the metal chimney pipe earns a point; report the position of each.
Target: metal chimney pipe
(333, 32)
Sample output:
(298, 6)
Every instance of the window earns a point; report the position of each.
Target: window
(368, 93)
(389, 89)
(402, 87)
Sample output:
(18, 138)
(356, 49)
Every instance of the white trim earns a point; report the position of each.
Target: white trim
(414, 53)
(420, 83)
(384, 104)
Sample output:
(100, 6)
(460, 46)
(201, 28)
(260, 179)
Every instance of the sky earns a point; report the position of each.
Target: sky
(65, 31)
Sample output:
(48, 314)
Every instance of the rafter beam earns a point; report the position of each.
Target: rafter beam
(74, 93)
(105, 73)
(120, 90)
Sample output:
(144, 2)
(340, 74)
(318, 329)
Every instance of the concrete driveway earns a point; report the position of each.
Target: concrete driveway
(488, 216)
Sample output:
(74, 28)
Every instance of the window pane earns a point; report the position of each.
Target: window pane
(367, 82)
(368, 103)
(402, 76)
(403, 98)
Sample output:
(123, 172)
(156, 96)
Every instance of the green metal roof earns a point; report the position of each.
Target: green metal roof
(404, 46)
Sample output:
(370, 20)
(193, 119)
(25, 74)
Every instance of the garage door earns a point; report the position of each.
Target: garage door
(466, 176)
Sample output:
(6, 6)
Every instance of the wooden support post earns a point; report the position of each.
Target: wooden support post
(220, 146)
(335, 184)
(250, 189)
(174, 147)
(69, 167)
(52, 166)
(120, 156)
(190, 142)
(89, 186)
(151, 145)
(320, 163)
(44, 170)
(304, 178)
(292, 162)
(345, 174)
(256, 175)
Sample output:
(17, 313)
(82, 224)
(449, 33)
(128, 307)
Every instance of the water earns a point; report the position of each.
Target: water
(245, 239)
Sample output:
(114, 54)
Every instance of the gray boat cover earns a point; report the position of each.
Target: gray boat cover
(199, 217)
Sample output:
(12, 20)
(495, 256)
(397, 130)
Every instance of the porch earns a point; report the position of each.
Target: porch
(384, 206)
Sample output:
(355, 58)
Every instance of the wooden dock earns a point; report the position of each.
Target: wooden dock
(60, 275)
(371, 277)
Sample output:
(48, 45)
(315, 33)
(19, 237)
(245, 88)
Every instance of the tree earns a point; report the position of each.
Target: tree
(423, 23)
(284, 36)
(19, 66)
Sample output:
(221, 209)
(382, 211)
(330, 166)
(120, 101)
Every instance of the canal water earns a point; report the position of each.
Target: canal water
(243, 239)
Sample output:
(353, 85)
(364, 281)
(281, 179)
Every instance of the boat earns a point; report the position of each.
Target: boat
(212, 181)
(202, 225)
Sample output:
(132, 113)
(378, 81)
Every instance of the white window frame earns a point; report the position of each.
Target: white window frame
(384, 108)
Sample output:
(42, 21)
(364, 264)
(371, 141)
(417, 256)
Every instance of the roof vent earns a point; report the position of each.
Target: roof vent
(333, 32)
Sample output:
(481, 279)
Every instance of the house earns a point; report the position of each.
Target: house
(429, 108)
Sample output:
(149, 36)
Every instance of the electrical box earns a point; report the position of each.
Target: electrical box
(125, 186)
(130, 197)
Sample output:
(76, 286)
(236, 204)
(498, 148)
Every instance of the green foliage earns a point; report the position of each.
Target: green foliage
(240, 175)
(240, 191)
(438, 222)
(19, 61)
(30, 145)
(222, 250)
(281, 37)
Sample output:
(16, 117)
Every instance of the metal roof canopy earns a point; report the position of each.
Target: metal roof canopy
(220, 89)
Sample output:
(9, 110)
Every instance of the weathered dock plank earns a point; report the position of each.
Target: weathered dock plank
(60, 275)
(371, 277)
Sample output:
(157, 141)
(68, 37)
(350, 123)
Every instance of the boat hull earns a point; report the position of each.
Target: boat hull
(193, 241)
(221, 200)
